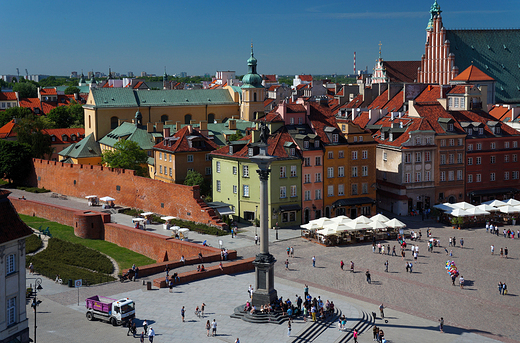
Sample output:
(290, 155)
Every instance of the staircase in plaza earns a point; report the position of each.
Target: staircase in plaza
(366, 322)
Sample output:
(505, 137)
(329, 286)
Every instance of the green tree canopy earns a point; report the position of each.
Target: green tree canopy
(30, 131)
(13, 112)
(72, 90)
(195, 178)
(26, 90)
(127, 155)
(15, 160)
(235, 137)
(66, 116)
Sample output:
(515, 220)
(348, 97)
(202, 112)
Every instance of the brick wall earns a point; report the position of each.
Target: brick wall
(80, 180)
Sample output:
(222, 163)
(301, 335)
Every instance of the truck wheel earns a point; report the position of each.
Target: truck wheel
(113, 321)
(89, 316)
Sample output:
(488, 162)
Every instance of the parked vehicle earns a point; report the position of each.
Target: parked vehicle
(114, 311)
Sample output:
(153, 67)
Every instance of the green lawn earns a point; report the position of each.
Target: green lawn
(124, 257)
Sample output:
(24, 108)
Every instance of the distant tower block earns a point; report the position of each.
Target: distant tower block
(354, 63)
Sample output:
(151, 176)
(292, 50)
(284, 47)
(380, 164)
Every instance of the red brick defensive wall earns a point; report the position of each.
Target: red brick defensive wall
(80, 180)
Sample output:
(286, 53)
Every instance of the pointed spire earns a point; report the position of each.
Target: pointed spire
(380, 50)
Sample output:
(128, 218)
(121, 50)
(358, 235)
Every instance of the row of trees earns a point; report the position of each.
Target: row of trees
(58, 118)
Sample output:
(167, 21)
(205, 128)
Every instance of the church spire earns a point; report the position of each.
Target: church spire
(435, 10)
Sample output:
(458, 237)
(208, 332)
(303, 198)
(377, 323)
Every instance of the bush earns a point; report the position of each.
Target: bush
(32, 244)
(33, 189)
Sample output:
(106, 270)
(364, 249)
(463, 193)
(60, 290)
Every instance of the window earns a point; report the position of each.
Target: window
(293, 191)
(354, 172)
(364, 154)
(354, 155)
(479, 177)
(361, 138)
(341, 154)
(160, 169)
(235, 189)
(418, 156)
(316, 143)
(418, 177)
(318, 160)
(428, 140)
(459, 158)
(354, 189)
(318, 177)
(307, 195)
(245, 171)
(451, 158)
(293, 151)
(407, 177)
(364, 188)
(218, 186)
(479, 146)
(330, 172)
(427, 156)
(207, 157)
(317, 194)
(283, 192)
(385, 156)
(470, 161)
(10, 264)
(493, 159)
(190, 158)
(283, 172)
(506, 145)
(364, 171)
(160, 156)
(408, 158)
(341, 171)
(469, 131)
(515, 144)
(331, 155)
(452, 142)
(443, 176)
(479, 160)
(462, 103)
(493, 145)
(307, 162)
(470, 147)
(460, 142)
(307, 178)
(459, 175)
(293, 171)
(208, 171)
(245, 191)
(470, 178)
(515, 159)
(506, 158)
(451, 175)
(515, 175)
(341, 189)
(427, 176)
(330, 190)
(450, 127)
(306, 144)
(506, 175)
(456, 102)
(335, 138)
(443, 159)
(480, 131)
(443, 142)
(417, 140)
(11, 311)
(218, 167)
(250, 152)
(492, 177)
(234, 170)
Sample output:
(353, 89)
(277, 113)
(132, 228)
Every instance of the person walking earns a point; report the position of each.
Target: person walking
(355, 336)
(289, 328)
(501, 252)
(306, 291)
(367, 274)
(441, 324)
(208, 327)
(214, 328)
(381, 311)
(411, 267)
(393, 251)
(130, 323)
(506, 251)
(145, 327)
(151, 335)
(450, 242)
(250, 291)
(141, 337)
(256, 239)
(500, 287)
(314, 261)
(386, 266)
(232, 232)
(183, 311)
(341, 264)
(492, 249)
(286, 264)
(461, 282)
(292, 251)
(453, 278)
(504, 289)
(351, 266)
(462, 242)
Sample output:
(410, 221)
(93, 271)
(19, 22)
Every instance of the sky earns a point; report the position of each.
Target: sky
(205, 36)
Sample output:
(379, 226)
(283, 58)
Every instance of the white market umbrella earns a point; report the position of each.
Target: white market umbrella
(478, 212)
(167, 218)
(463, 205)
(357, 226)
(146, 214)
(138, 220)
(509, 209)
(395, 223)
(513, 202)
(337, 227)
(340, 219)
(443, 207)
(326, 231)
(377, 225)
(458, 212)
(321, 221)
(107, 199)
(310, 226)
(91, 196)
(487, 208)
(379, 217)
(495, 203)
(363, 220)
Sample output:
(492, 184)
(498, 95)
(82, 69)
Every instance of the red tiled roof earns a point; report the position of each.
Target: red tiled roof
(321, 117)
(432, 113)
(48, 91)
(68, 132)
(356, 102)
(401, 71)
(429, 94)
(500, 113)
(267, 102)
(182, 145)
(474, 74)
(11, 226)
(269, 78)
(273, 88)
(6, 131)
(300, 86)
(396, 103)
(483, 117)
(271, 117)
(138, 84)
(341, 91)
(458, 90)
(7, 96)
(306, 78)
(296, 108)
(380, 101)
(362, 120)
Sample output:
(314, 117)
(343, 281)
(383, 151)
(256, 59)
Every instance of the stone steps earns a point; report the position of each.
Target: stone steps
(275, 317)
(366, 322)
(312, 332)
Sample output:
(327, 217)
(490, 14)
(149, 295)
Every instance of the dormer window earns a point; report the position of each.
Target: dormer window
(450, 127)
(497, 130)
(64, 138)
(292, 151)
(230, 149)
(73, 137)
(316, 143)
(335, 138)
(480, 131)
(306, 144)
(250, 152)
(53, 138)
(469, 131)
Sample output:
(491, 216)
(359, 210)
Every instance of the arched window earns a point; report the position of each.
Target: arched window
(164, 118)
(211, 118)
(187, 119)
(113, 122)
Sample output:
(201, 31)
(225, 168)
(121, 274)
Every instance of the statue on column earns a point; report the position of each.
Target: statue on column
(264, 132)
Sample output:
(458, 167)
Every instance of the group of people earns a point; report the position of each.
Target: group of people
(147, 331)
(502, 288)
(379, 335)
(504, 252)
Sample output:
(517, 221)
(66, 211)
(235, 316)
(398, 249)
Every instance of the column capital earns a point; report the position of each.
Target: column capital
(263, 174)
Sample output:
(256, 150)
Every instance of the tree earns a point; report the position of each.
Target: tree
(77, 114)
(60, 117)
(25, 90)
(195, 178)
(30, 131)
(235, 137)
(127, 155)
(72, 90)
(15, 160)
(13, 112)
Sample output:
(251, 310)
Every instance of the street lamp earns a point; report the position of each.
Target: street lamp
(36, 302)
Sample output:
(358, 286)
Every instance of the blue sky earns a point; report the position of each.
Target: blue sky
(290, 37)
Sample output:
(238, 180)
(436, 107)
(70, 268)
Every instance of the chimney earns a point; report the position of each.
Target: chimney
(159, 126)
(193, 122)
(515, 111)
(177, 126)
(149, 127)
(203, 126)
(255, 136)
(166, 132)
(484, 96)
(232, 124)
(190, 129)
(370, 114)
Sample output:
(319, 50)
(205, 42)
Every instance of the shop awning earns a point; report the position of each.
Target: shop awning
(494, 191)
(222, 208)
(291, 207)
(353, 202)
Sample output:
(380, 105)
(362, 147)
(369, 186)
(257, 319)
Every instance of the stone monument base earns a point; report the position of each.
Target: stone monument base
(264, 271)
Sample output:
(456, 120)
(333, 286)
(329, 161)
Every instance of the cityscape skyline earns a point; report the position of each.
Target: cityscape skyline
(287, 39)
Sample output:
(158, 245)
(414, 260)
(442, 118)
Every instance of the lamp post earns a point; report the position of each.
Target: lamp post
(37, 287)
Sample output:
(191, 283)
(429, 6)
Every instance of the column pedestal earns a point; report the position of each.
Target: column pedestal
(264, 275)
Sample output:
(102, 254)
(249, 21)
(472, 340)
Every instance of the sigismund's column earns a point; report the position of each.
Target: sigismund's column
(264, 292)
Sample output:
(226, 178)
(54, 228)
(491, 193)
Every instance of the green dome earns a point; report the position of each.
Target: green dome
(251, 79)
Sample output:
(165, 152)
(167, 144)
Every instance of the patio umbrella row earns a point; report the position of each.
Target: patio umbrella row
(463, 209)
(331, 226)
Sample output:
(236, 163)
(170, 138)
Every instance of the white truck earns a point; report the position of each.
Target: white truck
(114, 311)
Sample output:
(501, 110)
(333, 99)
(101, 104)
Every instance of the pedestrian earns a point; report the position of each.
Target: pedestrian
(462, 242)
(31, 268)
(407, 267)
(292, 251)
(441, 324)
(454, 241)
(492, 249)
(446, 251)
(373, 247)
(256, 239)
(151, 335)
(341, 264)
(411, 267)
(487, 227)
(288, 251)
(450, 242)
(183, 311)
(451, 253)
(381, 311)
(386, 266)
(170, 285)
(202, 309)
(306, 291)
(286, 264)
(501, 252)
(500, 287)
(141, 338)
(351, 266)
(214, 328)
(393, 251)
(453, 278)
(461, 282)
(506, 251)
(130, 322)
(289, 328)
(250, 291)
(237, 340)
(231, 232)
(145, 327)
(314, 261)
(355, 336)
(367, 274)
(504, 289)
(383, 249)
(208, 326)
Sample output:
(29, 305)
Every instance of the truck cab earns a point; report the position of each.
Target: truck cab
(111, 310)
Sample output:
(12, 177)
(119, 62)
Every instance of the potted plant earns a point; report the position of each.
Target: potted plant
(460, 222)
(513, 220)
(454, 222)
